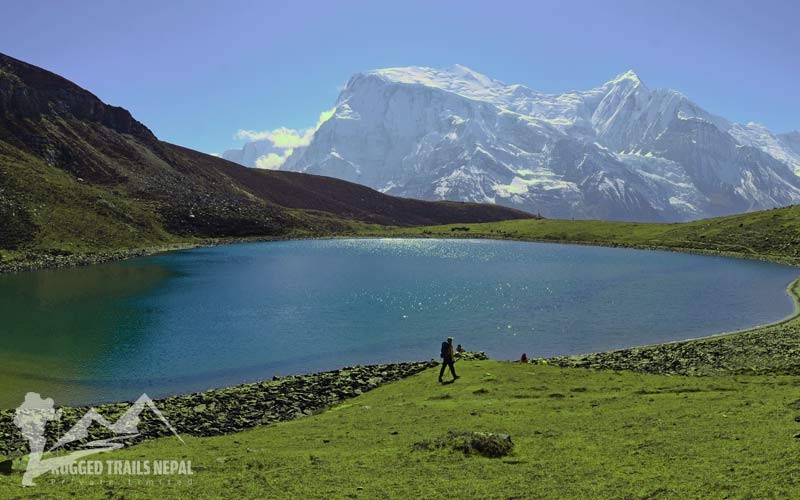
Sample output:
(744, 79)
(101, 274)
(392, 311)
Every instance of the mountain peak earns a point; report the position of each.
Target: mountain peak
(30, 91)
(629, 76)
(460, 69)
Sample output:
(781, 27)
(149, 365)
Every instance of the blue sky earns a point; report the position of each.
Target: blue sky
(197, 71)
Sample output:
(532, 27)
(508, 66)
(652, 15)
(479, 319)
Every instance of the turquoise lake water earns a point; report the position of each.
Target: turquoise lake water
(212, 317)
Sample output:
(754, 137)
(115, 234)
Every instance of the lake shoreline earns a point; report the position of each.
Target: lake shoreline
(216, 412)
(40, 261)
(772, 348)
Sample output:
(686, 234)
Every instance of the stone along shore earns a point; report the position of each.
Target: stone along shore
(225, 411)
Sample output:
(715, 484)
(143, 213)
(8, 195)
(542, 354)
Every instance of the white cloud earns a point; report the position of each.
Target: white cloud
(286, 138)
(273, 161)
(283, 138)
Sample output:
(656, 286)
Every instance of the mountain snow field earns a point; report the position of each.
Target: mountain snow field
(621, 151)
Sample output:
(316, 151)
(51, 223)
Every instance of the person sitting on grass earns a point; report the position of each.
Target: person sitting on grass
(447, 359)
(459, 349)
(524, 358)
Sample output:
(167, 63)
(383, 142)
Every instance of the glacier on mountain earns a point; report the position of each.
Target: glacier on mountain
(620, 151)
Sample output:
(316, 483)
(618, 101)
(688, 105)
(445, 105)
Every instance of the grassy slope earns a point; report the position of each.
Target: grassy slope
(578, 433)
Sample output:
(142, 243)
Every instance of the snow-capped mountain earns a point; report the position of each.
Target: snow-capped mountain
(620, 151)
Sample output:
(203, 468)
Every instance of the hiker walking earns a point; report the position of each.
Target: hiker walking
(447, 359)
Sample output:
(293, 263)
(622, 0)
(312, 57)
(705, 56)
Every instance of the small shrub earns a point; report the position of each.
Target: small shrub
(486, 444)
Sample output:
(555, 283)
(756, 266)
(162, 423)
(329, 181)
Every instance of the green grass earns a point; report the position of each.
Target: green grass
(577, 434)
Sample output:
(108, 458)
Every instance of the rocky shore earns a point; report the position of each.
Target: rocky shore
(774, 349)
(36, 260)
(225, 411)
(49, 260)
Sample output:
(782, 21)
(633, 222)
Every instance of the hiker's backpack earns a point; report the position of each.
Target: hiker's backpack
(445, 350)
